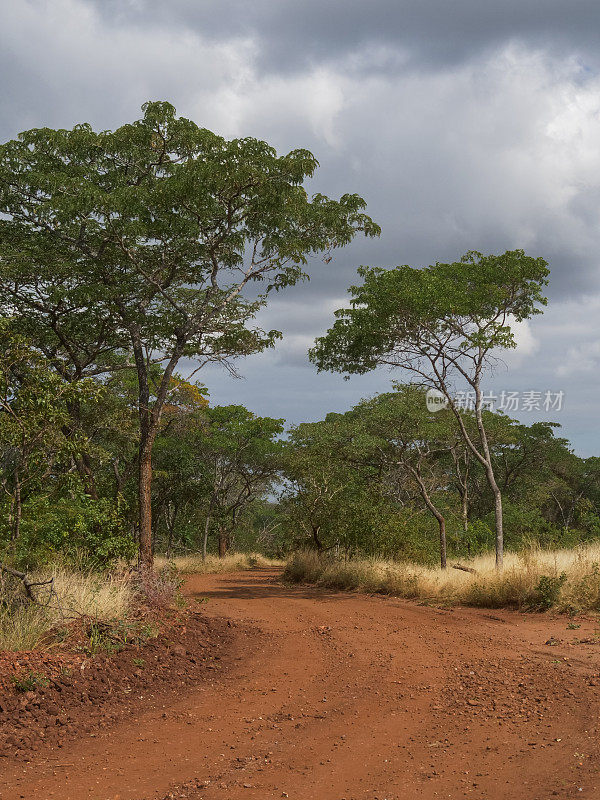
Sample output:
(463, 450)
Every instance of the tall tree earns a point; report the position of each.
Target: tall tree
(240, 454)
(146, 241)
(409, 445)
(441, 324)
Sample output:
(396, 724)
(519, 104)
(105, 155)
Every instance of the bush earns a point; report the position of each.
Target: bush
(547, 591)
(72, 528)
(304, 567)
(160, 588)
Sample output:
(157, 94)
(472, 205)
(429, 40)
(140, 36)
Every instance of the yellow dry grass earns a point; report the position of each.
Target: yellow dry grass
(566, 580)
(24, 625)
(22, 628)
(232, 562)
(104, 597)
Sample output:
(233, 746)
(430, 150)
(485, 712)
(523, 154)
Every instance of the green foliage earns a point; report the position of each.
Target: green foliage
(586, 590)
(123, 252)
(477, 539)
(73, 528)
(139, 216)
(441, 324)
(123, 249)
(547, 591)
(401, 315)
(213, 467)
(351, 489)
(102, 640)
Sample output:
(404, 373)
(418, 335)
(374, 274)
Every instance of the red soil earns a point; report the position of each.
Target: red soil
(327, 696)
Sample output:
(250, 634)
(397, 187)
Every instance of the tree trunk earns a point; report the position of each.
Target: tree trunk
(17, 509)
(489, 470)
(443, 548)
(118, 479)
(484, 458)
(463, 485)
(170, 519)
(205, 539)
(315, 534)
(149, 417)
(465, 512)
(146, 556)
(88, 477)
(207, 522)
(223, 543)
(11, 509)
(439, 517)
(499, 528)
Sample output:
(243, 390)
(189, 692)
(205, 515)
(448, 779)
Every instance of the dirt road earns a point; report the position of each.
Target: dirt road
(344, 697)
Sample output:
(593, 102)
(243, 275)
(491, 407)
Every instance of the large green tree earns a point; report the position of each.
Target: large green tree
(240, 454)
(410, 446)
(147, 243)
(441, 324)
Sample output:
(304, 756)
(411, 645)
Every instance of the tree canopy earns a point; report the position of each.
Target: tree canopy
(440, 324)
(129, 248)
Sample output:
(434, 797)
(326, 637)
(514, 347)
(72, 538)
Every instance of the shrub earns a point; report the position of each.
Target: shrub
(160, 588)
(72, 528)
(547, 591)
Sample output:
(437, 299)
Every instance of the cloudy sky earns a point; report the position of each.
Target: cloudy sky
(465, 125)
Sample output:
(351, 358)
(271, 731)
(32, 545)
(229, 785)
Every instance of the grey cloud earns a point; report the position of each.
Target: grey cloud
(465, 125)
(425, 33)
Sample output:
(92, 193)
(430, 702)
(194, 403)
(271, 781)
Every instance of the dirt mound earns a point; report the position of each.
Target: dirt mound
(48, 699)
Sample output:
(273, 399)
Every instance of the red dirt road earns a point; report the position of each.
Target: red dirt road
(343, 697)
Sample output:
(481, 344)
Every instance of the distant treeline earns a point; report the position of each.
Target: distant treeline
(389, 477)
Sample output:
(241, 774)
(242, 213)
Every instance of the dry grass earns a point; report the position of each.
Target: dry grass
(566, 580)
(104, 597)
(233, 562)
(23, 626)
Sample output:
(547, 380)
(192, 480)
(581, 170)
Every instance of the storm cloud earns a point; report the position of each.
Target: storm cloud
(465, 125)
